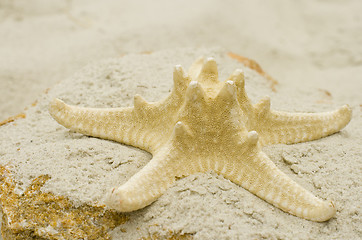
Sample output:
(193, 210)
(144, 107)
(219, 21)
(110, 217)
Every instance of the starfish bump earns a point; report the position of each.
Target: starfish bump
(205, 124)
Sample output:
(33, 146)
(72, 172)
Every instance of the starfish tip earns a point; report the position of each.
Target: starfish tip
(347, 109)
(229, 82)
(238, 77)
(210, 66)
(228, 90)
(195, 91)
(328, 212)
(210, 59)
(253, 137)
(179, 71)
(56, 107)
(238, 71)
(193, 84)
(116, 199)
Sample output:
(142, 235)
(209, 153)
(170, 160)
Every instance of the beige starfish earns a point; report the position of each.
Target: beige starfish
(204, 125)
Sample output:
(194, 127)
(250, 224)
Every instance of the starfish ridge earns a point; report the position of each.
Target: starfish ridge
(205, 124)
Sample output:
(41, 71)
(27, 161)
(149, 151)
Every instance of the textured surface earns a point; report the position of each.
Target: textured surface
(204, 125)
(204, 205)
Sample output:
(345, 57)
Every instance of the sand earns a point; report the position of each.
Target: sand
(312, 48)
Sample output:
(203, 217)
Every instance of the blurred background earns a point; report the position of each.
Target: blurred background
(43, 42)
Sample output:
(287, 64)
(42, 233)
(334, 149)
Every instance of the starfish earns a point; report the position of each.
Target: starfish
(207, 125)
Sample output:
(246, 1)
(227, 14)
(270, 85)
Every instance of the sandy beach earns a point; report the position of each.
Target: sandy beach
(100, 54)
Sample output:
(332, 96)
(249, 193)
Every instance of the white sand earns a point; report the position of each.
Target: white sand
(310, 47)
(206, 205)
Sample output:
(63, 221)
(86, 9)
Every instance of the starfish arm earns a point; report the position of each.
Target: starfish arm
(125, 125)
(146, 186)
(261, 177)
(288, 128)
(146, 125)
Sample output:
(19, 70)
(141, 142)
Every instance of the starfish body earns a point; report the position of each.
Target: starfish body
(203, 125)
